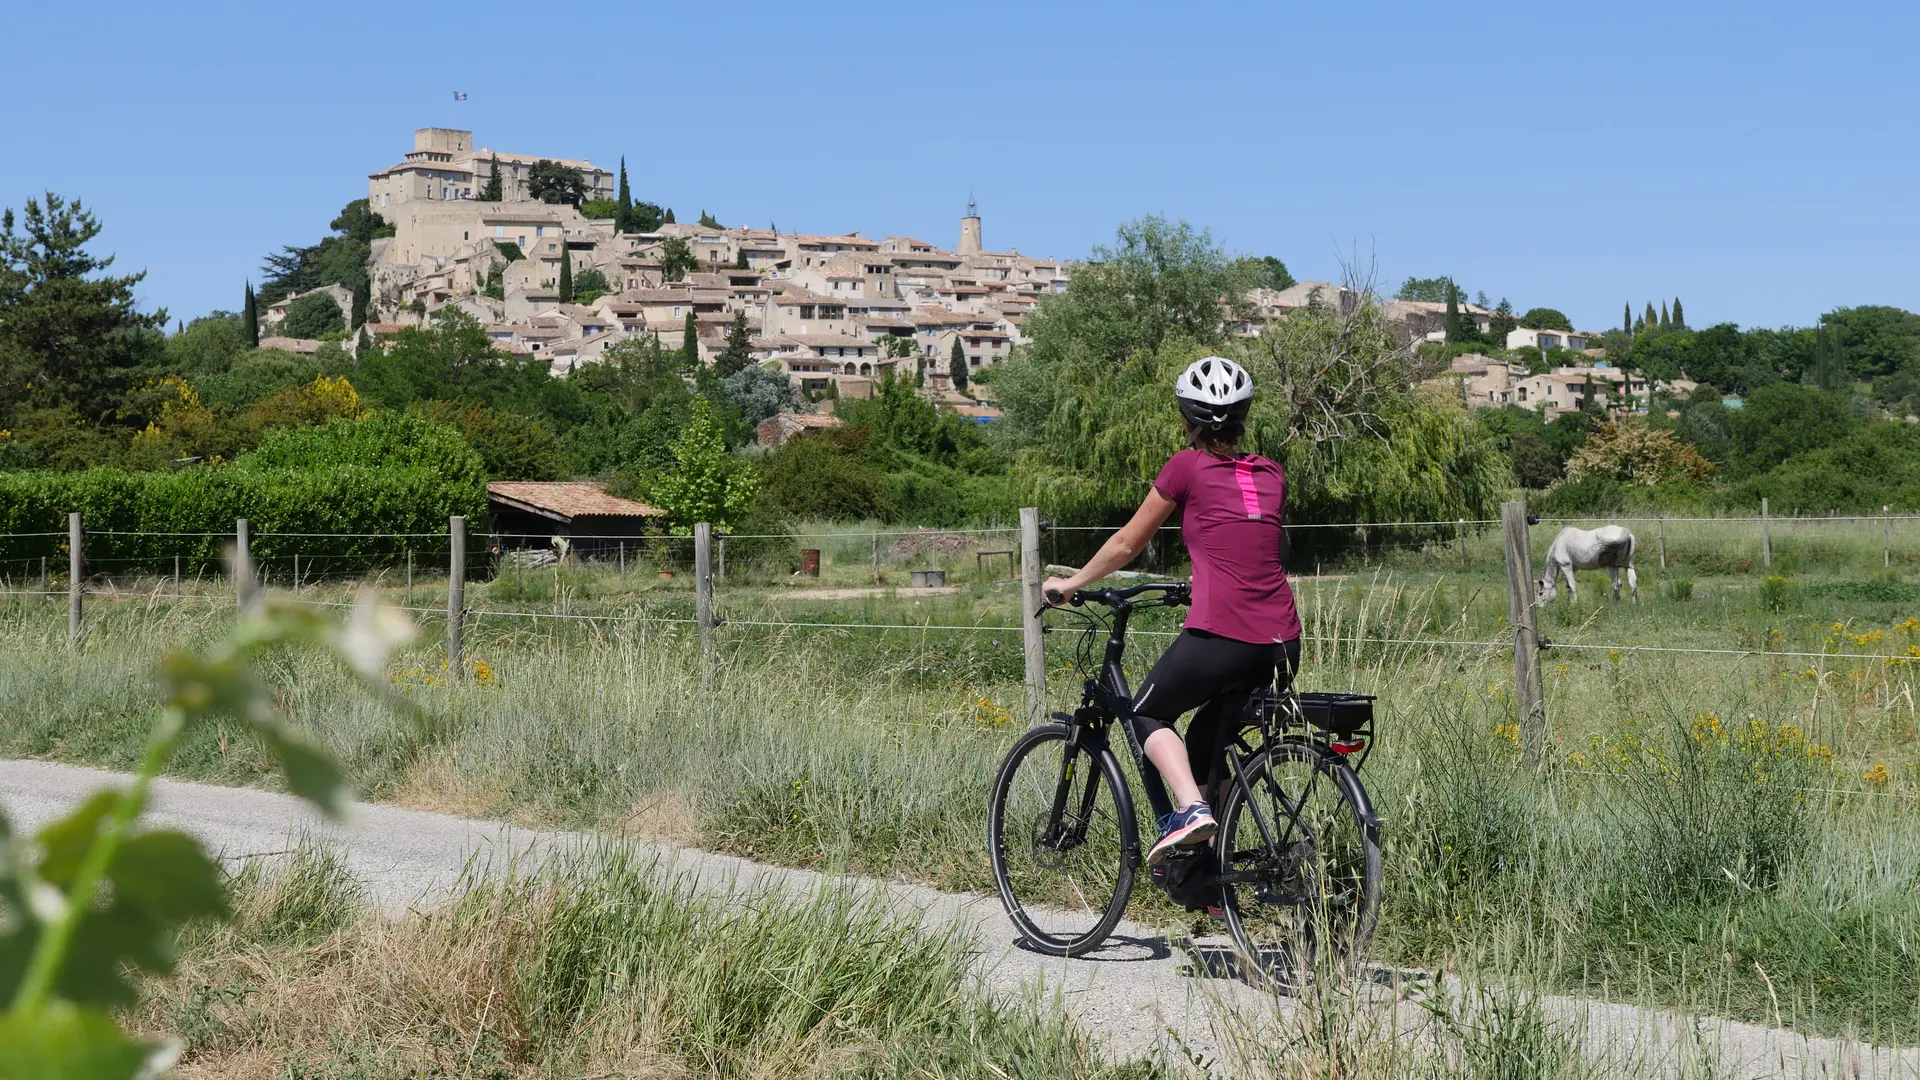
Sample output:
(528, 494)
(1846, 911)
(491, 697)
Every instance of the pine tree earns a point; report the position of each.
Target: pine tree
(250, 312)
(1651, 319)
(957, 366)
(737, 354)
(1679, 319)
(690, 346)
(494, 191)
(566, 274)
(623, 217)
(362, 297)
(1626, 319)
(667, 219)
(1663, 314)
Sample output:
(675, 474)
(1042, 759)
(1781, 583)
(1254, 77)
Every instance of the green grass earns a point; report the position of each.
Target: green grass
(1659, 859)
(602, 963)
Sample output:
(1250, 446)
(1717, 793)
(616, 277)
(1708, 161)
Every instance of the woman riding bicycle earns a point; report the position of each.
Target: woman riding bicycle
(1242, 625)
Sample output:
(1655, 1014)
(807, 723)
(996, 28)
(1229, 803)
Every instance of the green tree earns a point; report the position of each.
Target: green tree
(1502, 324)
(71, 335)
(1159, 280)
(1267, 272)
(590, 285)
(667, 218)
(957, 366)
(708, 221)
(676, 259)
(493, 191)
(601, 210)
(1626, 320)
(1586, 395)
(340, 259)
(1782, 420)
(1546, 318)
(566, 274)
(552, 182)
(690, 345)
(737, 354)
(757, 392)
(1459, 329)
(1433, 290)
(1663, 315)
(312, 316)
(623, 203)
(740, 260)
(1875, 340)
(362, 297)
(1651, 319)
(250, 314)
(704, 484)
(1829, 368)
(1679, 316)
(646, 217)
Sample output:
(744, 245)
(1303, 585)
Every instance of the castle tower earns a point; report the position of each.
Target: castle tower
(970, 229)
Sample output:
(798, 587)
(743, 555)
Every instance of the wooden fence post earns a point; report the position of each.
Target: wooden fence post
(176, 577)
(44, 591)
(76, 575)
(703, 594)
(1032, 627)
(456, 594)
(409, 577)
(1886, 537)
(242, 566)
(1521, 606)
(1766, 534)
(720, 556)
(1663, 541)
(876, 558)
(1463, 541)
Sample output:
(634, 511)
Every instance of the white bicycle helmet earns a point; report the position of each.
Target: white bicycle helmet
(1213, 391)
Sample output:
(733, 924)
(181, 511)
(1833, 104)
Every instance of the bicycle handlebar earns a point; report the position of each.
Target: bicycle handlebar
(1115, 597)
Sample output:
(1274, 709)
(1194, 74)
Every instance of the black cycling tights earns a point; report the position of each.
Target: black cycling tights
(1213, 674)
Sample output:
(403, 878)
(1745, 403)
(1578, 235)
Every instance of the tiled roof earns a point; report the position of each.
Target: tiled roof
(565, 501)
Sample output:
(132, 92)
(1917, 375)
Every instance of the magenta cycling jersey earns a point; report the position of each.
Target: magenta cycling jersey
(1230, 515)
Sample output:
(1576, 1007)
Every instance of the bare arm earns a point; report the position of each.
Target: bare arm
(1120, 548)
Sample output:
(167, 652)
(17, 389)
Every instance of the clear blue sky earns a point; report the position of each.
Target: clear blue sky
(1757, 159)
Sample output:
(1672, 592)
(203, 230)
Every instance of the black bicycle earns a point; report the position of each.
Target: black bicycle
(1295, 865)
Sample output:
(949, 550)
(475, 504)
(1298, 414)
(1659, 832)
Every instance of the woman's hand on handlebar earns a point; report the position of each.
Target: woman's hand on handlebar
(1058, 591)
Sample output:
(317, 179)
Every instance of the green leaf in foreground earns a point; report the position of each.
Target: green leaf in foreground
(63, 1042)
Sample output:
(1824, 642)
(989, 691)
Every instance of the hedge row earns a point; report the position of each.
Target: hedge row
(329, 500)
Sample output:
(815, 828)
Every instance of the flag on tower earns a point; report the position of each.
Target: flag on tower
(458, 96)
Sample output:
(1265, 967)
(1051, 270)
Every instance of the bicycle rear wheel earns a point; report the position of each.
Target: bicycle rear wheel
(1063, 841)
(1310, 888)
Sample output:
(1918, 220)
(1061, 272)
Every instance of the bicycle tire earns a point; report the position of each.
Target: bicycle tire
(1018, 814)
(1336, 907)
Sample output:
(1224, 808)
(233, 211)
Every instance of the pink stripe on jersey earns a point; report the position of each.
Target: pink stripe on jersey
(1249, 498)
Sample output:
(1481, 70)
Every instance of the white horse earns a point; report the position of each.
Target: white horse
(1608, 546)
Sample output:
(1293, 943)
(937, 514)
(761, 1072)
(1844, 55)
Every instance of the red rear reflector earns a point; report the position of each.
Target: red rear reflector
(1344, 746)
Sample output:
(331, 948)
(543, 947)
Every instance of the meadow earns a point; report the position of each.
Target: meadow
(1725, 831)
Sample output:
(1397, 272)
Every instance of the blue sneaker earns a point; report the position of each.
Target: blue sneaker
(1183, 828)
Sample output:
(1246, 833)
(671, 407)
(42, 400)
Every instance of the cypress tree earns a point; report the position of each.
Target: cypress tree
(362, 296)
(494, 191)
(668, 218)
(919, 371)
(1626, 319)
(251, 313)
(957, 366)
(1679, 319)
(1651, 319)
(740, 262)
(738, 353)
(690, 345)
(1663, 314)
(1454, 326)
(623, 217)
(566, 274)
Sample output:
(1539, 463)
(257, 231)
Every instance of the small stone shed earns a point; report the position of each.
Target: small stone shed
(531, 514)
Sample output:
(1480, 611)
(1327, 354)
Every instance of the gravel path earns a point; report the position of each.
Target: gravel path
(1130, 995)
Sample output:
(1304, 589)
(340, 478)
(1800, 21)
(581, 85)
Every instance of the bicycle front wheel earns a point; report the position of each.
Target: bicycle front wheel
(1303, 862)
(1062, 836)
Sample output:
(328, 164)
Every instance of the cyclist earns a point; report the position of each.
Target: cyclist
(1242, 625)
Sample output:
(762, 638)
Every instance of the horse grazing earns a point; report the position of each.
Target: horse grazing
(1608, 546)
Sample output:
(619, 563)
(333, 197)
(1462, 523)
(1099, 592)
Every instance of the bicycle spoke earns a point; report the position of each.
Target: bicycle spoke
(1058, 845)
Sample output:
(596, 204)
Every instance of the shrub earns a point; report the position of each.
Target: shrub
(1680, 589)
